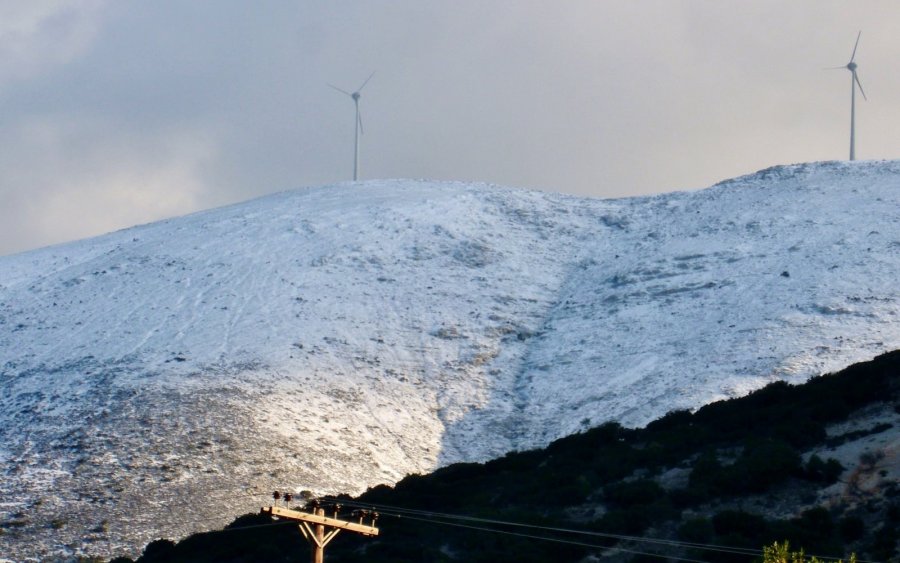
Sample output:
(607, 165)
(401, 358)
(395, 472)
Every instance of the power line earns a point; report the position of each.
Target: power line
(432, 517)
(544, 538)
(673, 543)
(708, 547)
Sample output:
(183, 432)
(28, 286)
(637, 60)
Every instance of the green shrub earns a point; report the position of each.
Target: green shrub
(642, 491)
(762, 465)
(159, 550)
(851, 528)
(742, 524)
(781, 553)
(826, 472)
(696, 530)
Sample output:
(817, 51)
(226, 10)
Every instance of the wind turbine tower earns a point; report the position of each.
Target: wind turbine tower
(854, 82)
(359, 126)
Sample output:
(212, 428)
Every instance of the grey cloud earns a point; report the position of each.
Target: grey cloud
(140, 110)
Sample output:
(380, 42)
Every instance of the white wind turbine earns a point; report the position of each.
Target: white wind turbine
(854, 82)
(359, 125)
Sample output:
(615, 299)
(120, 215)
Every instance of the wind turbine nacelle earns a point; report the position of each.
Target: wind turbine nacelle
(851, 66)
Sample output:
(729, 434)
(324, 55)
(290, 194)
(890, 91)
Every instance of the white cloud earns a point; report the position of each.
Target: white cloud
(84, 189)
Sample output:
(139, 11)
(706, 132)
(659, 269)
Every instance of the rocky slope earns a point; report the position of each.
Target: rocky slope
(338, 337)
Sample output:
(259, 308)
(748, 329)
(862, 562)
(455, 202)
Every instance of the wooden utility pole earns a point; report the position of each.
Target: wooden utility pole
(319, 529)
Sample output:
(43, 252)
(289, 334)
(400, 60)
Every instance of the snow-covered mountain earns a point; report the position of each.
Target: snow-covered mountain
(158, 380)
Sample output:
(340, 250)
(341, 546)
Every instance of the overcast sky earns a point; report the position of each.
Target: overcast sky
(119, 112)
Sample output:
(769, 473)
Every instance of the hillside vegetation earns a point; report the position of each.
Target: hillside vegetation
(813, 464)
(378, 329)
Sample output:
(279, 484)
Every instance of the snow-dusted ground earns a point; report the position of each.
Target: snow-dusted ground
(158, 380)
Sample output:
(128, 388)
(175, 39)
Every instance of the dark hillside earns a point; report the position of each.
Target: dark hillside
(740, 473)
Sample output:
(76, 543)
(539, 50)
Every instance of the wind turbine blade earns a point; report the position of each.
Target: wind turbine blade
(835, 67)
(359, 118)
(856, 78)
(853, 56)
(366, 82)
(341, 91)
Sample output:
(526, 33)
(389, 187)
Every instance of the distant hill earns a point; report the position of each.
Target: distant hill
(339, 337)
(816, 464)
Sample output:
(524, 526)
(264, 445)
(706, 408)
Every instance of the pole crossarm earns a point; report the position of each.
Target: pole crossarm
(305, 517)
